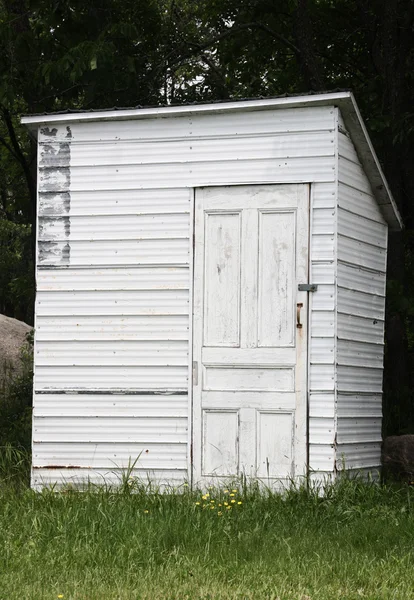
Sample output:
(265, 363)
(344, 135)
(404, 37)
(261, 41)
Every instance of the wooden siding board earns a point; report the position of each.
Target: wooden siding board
(193, 126)
(362, 244)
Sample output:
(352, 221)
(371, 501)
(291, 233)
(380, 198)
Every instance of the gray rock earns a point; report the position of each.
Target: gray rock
(12, 338)
(398, 457)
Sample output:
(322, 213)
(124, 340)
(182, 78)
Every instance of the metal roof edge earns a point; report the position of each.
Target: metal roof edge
(344, 100)
(185, 109)
(369, 160)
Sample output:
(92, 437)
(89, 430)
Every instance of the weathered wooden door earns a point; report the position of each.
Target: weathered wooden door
(250, 332)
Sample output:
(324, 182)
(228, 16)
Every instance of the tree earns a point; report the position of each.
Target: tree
(58, 54)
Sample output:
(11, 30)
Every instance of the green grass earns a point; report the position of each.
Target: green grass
(355, 542)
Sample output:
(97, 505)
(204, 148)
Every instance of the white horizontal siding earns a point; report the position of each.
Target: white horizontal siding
(362, 250)
(195, 174)
(322, 405)
(113, 279)
(355, 353)
(127, 406)
(361, 329)
(359, 405)
(109, 429)
(359, 379)
(355, 278)
(116, 227)
(360, 304)
(119, 303)
(322, 430)
(322, 350)
(114, 252)
(366, 455)
(351, 430)
(153, 201)
(73, 477)
(121, 353)
(113, 306)
(153, 456)
(322, 325)
(321, 458)
(112, 328)
(361, 254)
(216, 126)
(187, 150)
(102, 377)
(358, 202)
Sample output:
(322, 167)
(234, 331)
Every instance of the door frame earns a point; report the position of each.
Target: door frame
(191, 429)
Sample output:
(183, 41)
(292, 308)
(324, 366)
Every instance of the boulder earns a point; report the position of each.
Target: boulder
(398, 457)
(12, 337)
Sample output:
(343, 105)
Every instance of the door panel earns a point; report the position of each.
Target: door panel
(220, 443)
(276, 278)
(249, 396)
(222, 271)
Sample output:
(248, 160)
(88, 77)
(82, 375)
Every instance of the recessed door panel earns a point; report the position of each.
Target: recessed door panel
(220, 443)
(274, 445)
(276, 276)
(222, 272)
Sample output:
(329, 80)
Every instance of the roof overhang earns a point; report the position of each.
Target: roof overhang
(344, 100)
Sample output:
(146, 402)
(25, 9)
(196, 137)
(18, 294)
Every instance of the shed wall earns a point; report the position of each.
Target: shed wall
(362, 254)
(113, 308)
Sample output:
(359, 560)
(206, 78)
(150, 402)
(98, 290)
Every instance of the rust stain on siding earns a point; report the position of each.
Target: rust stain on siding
(53, 467)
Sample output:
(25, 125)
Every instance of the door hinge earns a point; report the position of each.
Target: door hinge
(195, 372)
(307, 287)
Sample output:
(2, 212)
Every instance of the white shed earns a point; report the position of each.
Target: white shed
(210, 292)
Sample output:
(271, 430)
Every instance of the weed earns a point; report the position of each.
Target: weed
(353, 541)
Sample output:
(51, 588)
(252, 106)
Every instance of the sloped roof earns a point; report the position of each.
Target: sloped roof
(343, 99)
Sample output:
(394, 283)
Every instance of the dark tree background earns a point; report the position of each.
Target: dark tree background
(59, 54)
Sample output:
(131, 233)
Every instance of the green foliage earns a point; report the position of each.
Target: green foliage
(14, 467)
(16, 282)
(57, 55)
(353, 542)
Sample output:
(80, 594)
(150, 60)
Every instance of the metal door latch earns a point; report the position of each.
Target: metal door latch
(307, 287)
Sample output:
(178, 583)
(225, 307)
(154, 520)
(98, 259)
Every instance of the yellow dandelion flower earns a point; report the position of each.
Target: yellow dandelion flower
(204, 497)
(231, 494)
(226, 504)
(146, 511)
(235, 491)
(212, 501)
(233, 501)
(226, 491)
(207, 494)
(197, 503)
(186, 485)
(60, 595)
(212, 508)
(228, 507)
(219, 504)
(219, 513)
(239, 503)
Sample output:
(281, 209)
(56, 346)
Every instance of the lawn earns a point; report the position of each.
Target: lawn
(355, 542)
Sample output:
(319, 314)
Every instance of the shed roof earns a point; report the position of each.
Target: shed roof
(343, 99)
